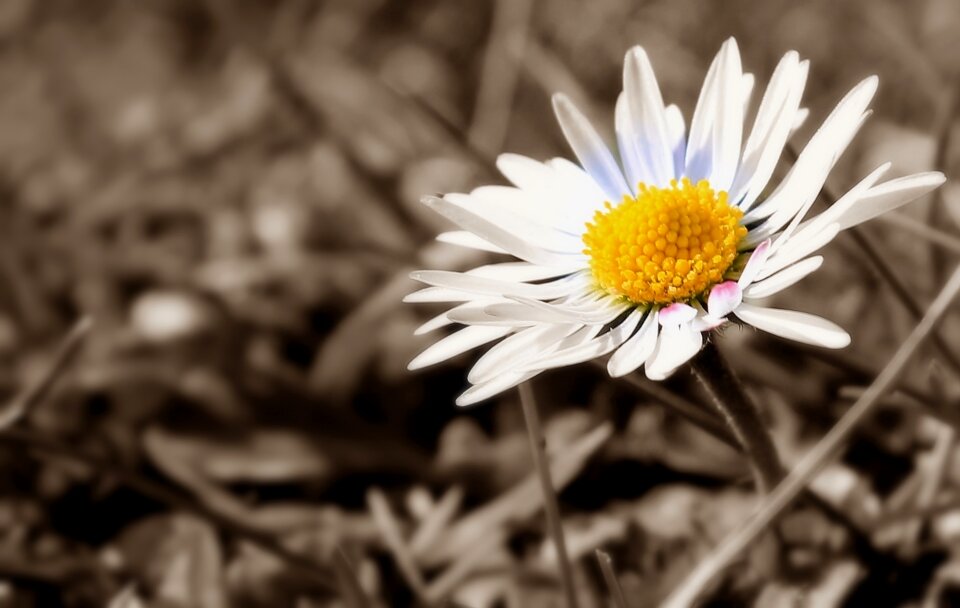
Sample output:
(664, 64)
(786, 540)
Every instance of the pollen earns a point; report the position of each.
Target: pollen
(664, 245)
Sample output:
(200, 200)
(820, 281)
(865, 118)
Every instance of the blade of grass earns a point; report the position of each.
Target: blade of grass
(610, 577)
(785, 493)
(441, 587)
(551, 508)
(925, 231)
(37, 391)
(436, 521)
(350, 590)
(518, 504)
(389, 529)
(500, 73)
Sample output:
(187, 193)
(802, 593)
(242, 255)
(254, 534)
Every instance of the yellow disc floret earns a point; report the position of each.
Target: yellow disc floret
(664, 245)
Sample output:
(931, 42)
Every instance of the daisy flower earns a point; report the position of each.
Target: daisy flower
(641, 252)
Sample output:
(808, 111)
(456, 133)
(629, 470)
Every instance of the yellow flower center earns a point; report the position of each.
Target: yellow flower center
(664, 245)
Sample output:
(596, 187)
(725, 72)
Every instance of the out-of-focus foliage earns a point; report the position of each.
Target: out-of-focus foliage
(230, 188)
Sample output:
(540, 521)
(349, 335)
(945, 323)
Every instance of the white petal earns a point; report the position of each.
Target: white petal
(525, 173)
(723, 298)
(677, 313)
(484, 286)
(464, 238)
(889, 196)
(798, 248)
(581, 195)
(676, 345)
(439, 294)
(557, 194)
(590, 149)
(589, 350)
(479, 316)
(457, 343)
(637, 349)
(514, 350)
(517, 271)
(634, 164)
(793, 325)
(800, 188)
(443, 319)
(757, 259)
(600, 313)
(498, 235)
(783, 279)
(705, 322)
(699, 154)
(678, 140)
(801, 117)
(838, 208)
(512, 210)
(728, 128)
(481, 392)
(747, 84)
(647, 116)
(770, 130)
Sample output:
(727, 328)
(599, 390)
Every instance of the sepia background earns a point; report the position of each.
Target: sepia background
(229, 190)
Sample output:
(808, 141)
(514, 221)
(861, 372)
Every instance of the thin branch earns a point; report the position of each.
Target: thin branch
(37, 391)
(610, 577)
(743, 417)
(551, 508)
(814, 461)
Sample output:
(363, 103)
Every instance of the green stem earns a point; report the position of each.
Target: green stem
(732, 401)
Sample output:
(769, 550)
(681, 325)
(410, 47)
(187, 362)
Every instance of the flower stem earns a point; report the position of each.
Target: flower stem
(550, 506)
(738, 409)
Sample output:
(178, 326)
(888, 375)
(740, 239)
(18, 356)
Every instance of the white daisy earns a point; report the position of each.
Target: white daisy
(639, 257)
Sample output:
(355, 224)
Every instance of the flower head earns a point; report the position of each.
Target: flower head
(640, 255)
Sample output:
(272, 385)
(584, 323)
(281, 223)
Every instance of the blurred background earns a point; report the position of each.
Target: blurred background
(230, 189)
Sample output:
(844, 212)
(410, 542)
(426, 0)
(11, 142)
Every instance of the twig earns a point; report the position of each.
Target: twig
(171, 498)
(34, 393)
(732, 401)
(551, 508)
(606, 567)
(811, 464)
(386, 522)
